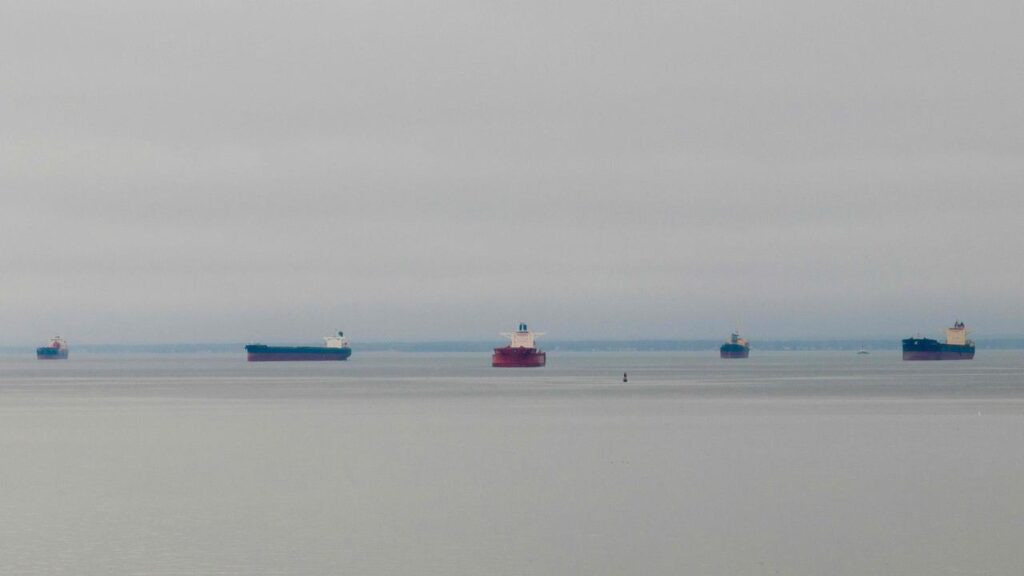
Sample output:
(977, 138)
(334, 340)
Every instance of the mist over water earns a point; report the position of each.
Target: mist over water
(786, 463)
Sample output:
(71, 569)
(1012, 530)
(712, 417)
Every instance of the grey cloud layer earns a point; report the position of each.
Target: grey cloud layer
(175, 172)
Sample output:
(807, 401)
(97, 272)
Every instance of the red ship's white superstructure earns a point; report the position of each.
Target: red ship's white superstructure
(522, 352)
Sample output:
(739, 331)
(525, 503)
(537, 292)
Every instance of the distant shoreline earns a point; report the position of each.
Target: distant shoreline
(1005, 343)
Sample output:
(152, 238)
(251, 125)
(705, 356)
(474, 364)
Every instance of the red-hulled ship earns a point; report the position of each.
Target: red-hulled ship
(522, 352)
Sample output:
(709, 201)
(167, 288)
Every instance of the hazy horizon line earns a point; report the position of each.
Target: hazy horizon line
(657, 344)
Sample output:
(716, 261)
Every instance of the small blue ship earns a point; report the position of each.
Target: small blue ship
(57, 349)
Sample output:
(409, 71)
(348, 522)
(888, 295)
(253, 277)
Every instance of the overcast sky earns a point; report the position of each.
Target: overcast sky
(227, 171)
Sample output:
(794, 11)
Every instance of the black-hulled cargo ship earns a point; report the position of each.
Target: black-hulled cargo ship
(736, 347)
(956, 346)
(334, 348)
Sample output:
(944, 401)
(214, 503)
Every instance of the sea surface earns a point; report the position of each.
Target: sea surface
(792, 463)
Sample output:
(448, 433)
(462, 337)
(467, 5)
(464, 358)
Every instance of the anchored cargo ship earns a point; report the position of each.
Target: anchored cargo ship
(956, 347)
(522, 352)
(736, 347)
(334, 348)
(57, 349)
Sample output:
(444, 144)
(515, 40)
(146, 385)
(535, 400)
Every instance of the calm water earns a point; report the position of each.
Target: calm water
(786, 463)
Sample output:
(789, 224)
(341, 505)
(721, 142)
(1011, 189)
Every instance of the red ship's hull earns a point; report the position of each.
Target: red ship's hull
(509, 357)
(744, 353)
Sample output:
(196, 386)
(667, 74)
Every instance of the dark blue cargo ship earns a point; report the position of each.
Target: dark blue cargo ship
(736, 347)
(334, 348)
(956, 346)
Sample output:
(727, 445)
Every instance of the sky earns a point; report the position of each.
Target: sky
(234, 171)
